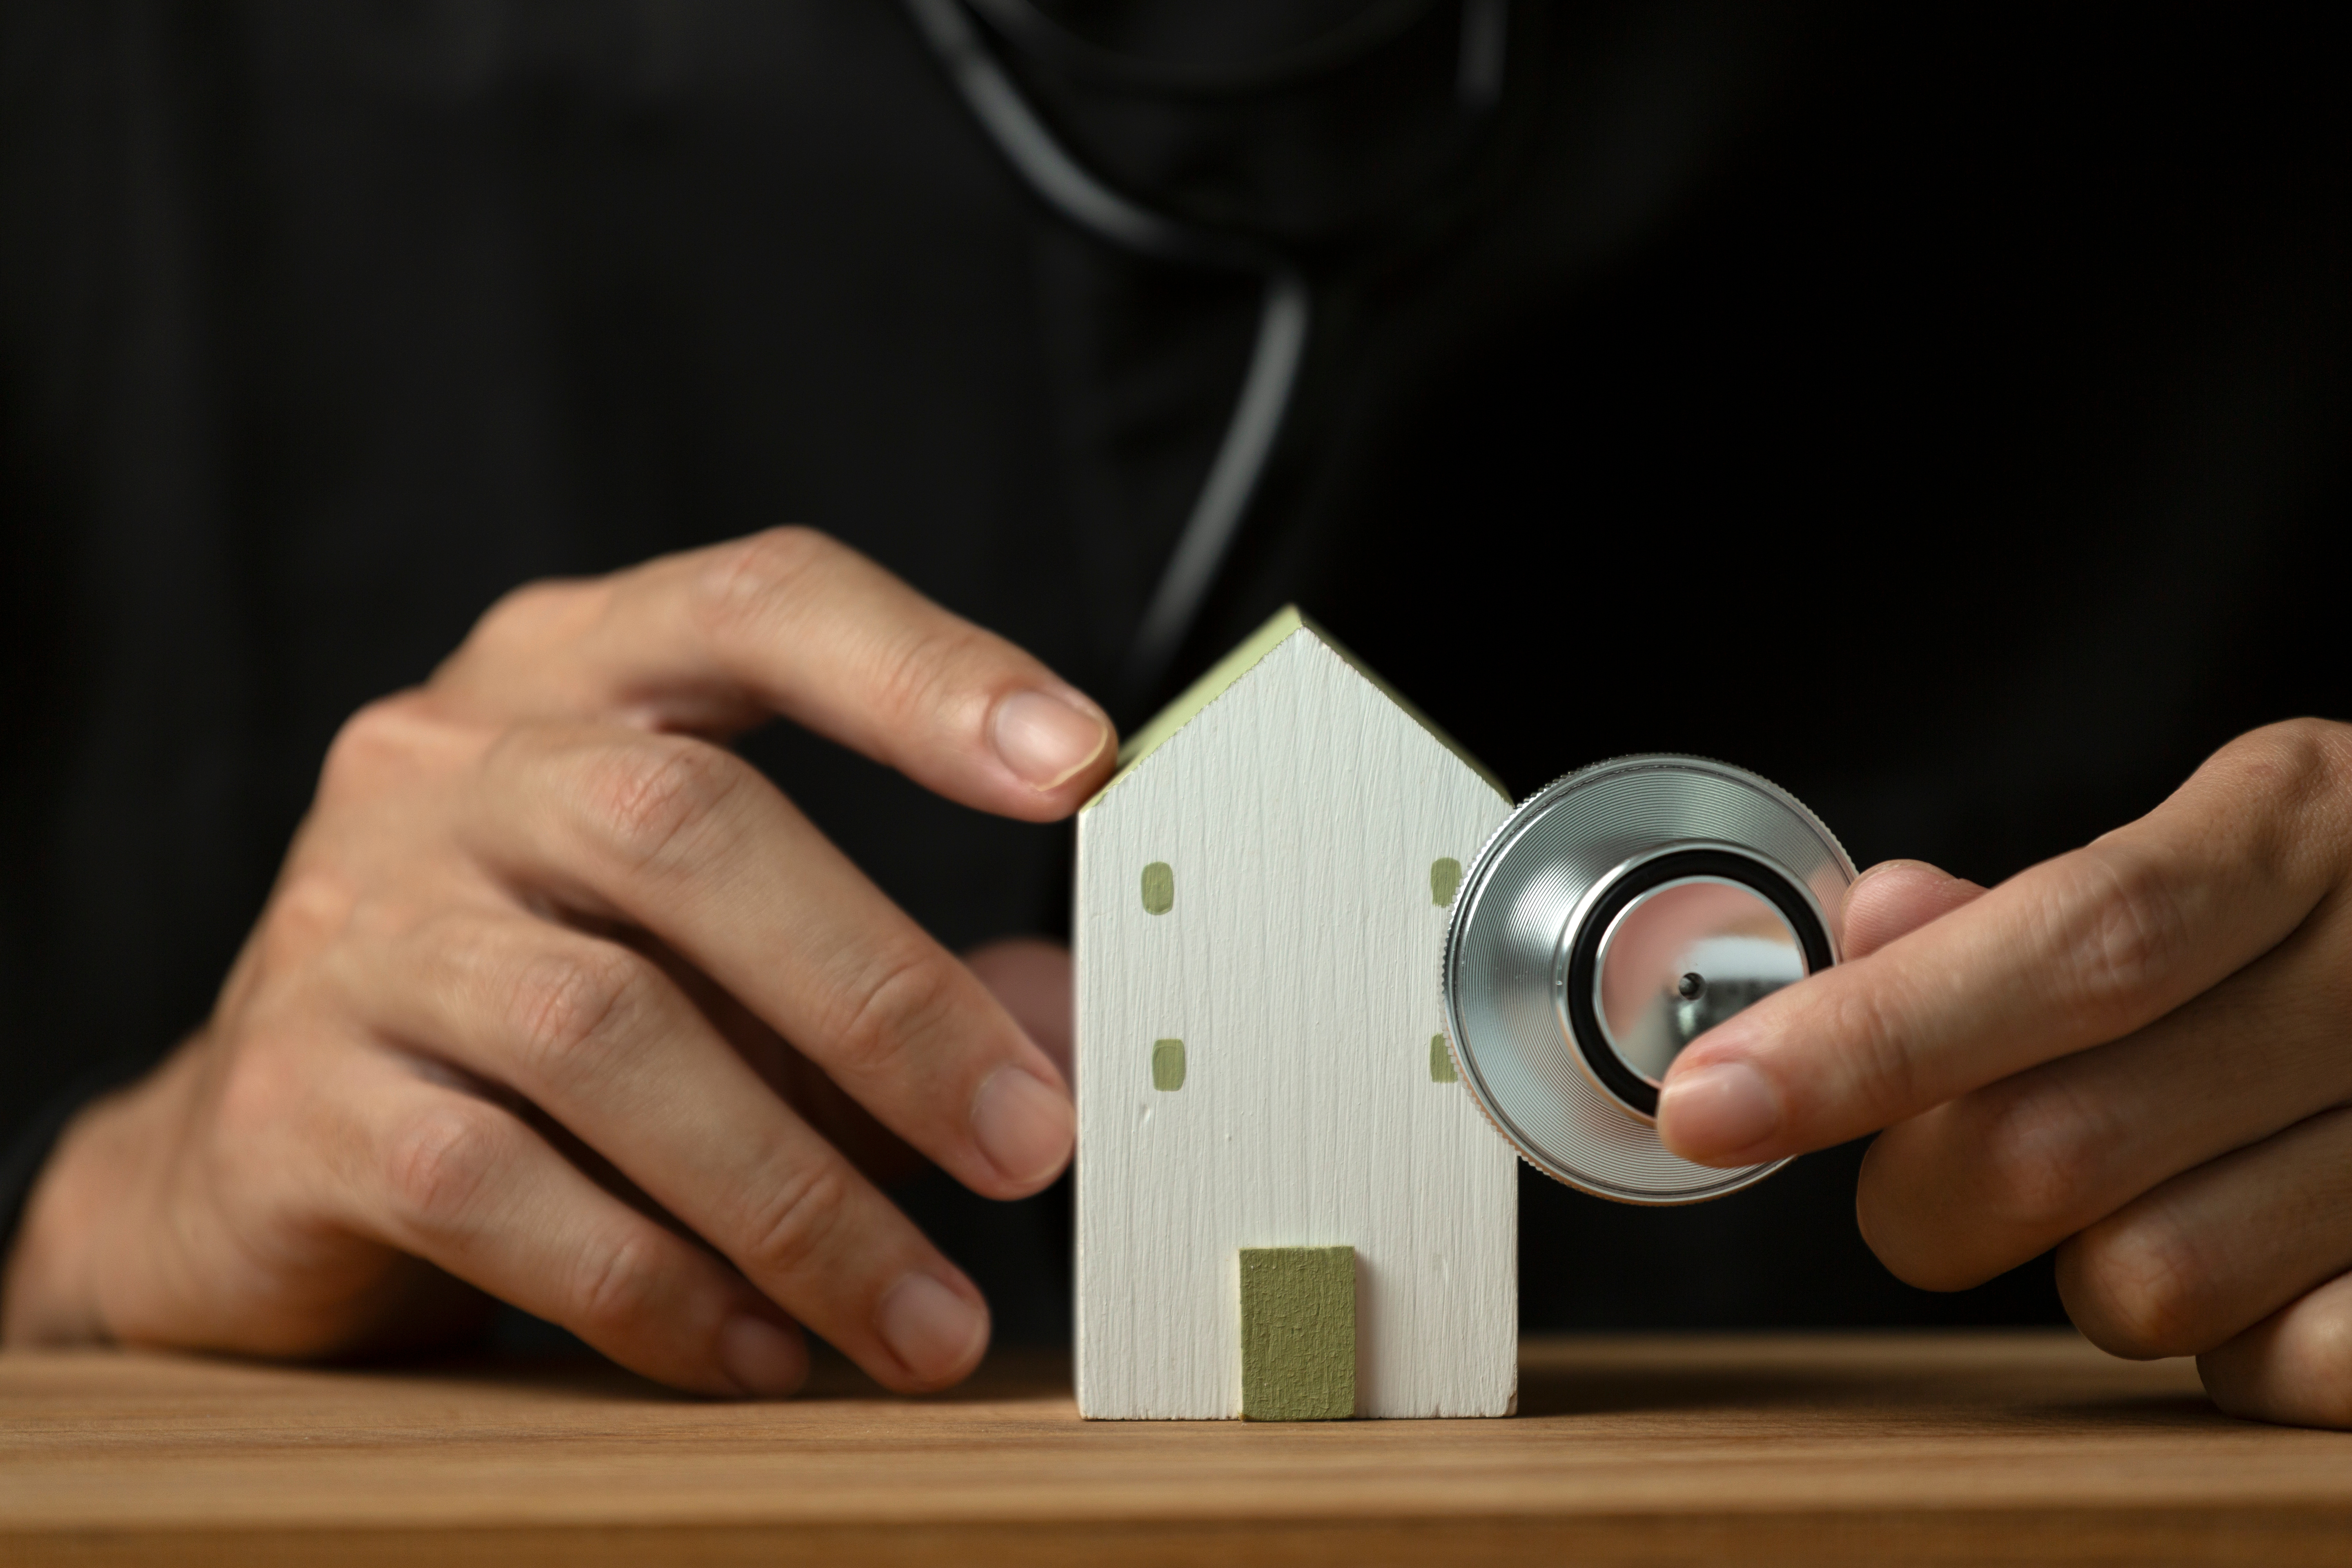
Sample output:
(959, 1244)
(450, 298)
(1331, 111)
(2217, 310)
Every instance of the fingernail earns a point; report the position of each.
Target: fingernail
(1023, 1125)
(1045, 739)
(759, 1357)
(933, 1331)
(1717, 1112)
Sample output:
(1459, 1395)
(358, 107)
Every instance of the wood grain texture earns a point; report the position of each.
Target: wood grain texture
(1300, 814)
(1762, 1449)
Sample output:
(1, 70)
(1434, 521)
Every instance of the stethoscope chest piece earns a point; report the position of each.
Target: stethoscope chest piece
(1618, 914)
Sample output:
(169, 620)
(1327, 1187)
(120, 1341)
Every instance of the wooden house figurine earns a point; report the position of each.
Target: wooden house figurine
(1288, 1208)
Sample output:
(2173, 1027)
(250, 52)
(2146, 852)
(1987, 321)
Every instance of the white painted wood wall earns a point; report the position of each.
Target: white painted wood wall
(1301, 812)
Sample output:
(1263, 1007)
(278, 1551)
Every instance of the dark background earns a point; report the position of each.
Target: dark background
(1939, 410)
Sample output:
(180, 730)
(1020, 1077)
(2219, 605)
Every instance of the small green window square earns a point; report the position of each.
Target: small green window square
(1441, 1062)
(1159, 888)
(1167, 1065)
(1444, 881)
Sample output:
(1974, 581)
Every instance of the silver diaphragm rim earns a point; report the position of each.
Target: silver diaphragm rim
(1549, 866)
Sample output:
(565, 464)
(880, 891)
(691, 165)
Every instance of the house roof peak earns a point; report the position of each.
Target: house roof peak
(1221, 677)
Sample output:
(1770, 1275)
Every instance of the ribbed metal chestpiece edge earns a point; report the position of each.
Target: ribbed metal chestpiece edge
(1521, 908)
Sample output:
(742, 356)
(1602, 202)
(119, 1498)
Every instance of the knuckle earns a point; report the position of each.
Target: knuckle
(619, 1290)
(2134, 1287)
(523, 616)
(2292, 774)
(2302, 753)
(568, 1004)
(796, 1233)
(2134, 932)
(750, 580)
(313, 904)
(906, 667)
(2039, 1159)
(387, 747)
(909, 1000)
(376, 739)
(917, 672)
(647, 797)
(441, 1164)
(1884, 1070)
(265, 1086)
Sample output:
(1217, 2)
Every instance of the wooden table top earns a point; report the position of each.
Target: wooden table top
(1759, 1450)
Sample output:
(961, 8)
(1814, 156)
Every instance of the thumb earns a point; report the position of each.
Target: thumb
(1895, 898)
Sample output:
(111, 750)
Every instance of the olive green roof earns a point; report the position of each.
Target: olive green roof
(1285, 623)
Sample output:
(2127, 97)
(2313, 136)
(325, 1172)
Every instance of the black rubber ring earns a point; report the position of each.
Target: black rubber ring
(1584, 1024)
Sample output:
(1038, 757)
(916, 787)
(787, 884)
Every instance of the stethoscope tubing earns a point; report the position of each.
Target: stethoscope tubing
(1285, 317)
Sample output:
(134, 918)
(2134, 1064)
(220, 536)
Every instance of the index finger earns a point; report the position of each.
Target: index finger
(793, 623)
(2075, 951)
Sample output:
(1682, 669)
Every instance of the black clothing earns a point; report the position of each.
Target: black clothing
(1943, 416)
